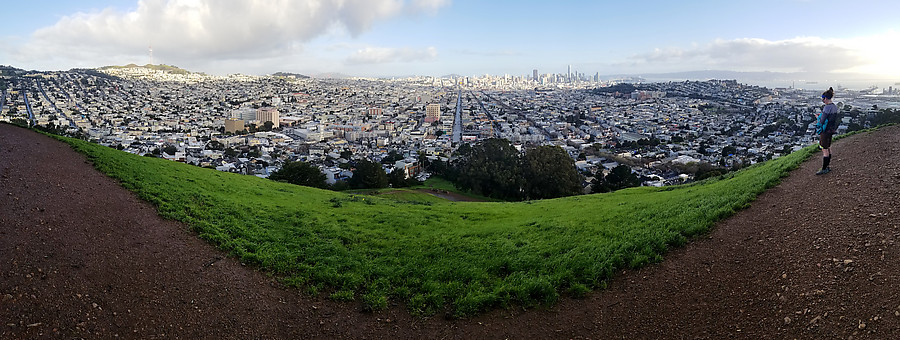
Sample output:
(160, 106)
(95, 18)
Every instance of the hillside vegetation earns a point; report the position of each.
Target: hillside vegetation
(458, 258)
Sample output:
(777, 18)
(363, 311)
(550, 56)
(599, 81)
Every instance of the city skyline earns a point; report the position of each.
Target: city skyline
(439, 37)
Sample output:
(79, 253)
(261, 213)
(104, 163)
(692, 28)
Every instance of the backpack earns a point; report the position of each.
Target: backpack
(831, 123)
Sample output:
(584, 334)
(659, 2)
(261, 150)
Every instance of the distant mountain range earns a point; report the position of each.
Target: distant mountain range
(331, 75)
(800, 78)
(288, 74)
(160, 67)
(768, 79)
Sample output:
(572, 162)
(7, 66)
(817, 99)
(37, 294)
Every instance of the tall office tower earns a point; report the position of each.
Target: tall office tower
(233, 125)
(432, 113)
(267, 114)
(534, 75)
(569, 73)
(245, 113)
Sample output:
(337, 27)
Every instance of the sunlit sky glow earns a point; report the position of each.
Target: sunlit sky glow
(439, 37)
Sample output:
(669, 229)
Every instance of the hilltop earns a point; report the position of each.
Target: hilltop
(785, 267)
(290, 75)
(161, 67)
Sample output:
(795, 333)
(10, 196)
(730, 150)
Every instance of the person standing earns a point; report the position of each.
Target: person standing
(826, 125)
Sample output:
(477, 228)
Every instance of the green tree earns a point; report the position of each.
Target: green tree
(170, 149)
(216, 145)
(397, 178)
(619, 178)
(347, 154)
(549, 172)
(886, 116)
(300, 173)
(230, 152)
(728, 150)
(392, 157)
(267, 126)
(491, 168)
(368, 175)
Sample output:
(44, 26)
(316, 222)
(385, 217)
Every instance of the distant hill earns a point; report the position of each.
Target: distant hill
(289, 75)
(161, 67)
(9, 71)
(801, 78)
(331, 75)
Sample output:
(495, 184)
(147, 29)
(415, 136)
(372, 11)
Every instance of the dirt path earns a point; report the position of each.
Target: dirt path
(81, 257)
(449, 195)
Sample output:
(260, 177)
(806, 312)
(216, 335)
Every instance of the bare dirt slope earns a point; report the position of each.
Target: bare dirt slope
(815, 257)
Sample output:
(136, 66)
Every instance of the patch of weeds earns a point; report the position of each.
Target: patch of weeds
(374, 301)
(342, 295)
(578, 290)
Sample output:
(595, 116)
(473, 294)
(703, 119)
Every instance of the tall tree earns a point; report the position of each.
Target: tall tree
(398, 179)
(170, 149)
(368, 175)
(300, 173)
(549, 172)
(619, 178)
(491, 168)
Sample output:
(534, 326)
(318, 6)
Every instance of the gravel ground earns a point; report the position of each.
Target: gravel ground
(815, 257)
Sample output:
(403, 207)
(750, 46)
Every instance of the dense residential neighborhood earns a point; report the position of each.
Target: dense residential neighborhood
(253, 125)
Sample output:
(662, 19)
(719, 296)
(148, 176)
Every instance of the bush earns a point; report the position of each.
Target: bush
(300, 173)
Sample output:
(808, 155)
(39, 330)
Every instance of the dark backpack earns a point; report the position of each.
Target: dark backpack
(832, 124)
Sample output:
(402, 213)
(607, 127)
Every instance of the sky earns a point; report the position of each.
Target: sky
(384, 38)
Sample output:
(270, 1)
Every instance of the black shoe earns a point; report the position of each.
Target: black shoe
(823, 171)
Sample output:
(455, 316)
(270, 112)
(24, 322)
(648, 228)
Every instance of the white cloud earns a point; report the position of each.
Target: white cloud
(182, 31)
(382, 55)
(492, 53)
(881, 53)
(803, 54)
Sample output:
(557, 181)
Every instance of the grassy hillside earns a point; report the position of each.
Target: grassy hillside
(434, 256)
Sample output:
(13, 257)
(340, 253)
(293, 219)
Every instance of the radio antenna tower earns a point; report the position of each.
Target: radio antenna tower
(151, 54)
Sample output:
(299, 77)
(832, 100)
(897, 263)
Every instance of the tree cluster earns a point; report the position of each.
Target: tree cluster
(619, 177)
(300, 173)
(886, 116)
(494, 168)
(368, 175)
(643, 142)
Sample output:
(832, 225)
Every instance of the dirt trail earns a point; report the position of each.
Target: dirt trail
(815, 257)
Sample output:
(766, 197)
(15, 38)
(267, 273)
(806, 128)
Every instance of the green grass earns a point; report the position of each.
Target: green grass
(412, 196)
(443, 184)
(459, 258)
(404, 195)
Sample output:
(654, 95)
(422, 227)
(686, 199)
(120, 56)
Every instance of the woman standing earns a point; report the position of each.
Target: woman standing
(826, 125)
